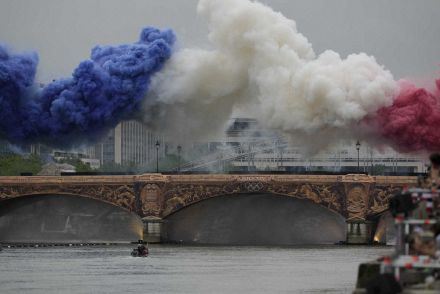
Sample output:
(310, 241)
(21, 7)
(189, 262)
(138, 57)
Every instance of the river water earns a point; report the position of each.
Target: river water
(183, 269)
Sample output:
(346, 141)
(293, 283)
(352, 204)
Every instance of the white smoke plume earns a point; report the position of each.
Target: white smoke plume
(262, 67)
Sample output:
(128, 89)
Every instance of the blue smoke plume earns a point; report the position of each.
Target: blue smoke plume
(101, 92)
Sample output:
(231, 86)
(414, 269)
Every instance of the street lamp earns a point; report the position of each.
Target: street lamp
(280, 150)
(179, 150)
(157, 156)
(358, 146)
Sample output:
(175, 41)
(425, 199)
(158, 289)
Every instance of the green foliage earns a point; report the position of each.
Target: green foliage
(14, 164)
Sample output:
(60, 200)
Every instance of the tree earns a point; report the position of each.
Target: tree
(15, 164)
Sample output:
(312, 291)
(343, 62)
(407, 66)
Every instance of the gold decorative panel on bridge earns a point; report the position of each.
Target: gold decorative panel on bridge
(353, 196)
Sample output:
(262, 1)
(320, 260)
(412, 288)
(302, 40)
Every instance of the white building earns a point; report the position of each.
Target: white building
(247, 147)
(129, 143)
(62, 154)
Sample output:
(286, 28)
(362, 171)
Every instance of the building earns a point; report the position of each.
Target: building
(41, 150)
(248, 147)
(60, 155)
(5, 148)
(130, 143)
(339, 159)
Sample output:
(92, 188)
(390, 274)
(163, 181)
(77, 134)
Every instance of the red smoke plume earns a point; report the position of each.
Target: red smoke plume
(412, 123)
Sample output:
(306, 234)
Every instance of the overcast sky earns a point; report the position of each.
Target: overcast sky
(403, 35)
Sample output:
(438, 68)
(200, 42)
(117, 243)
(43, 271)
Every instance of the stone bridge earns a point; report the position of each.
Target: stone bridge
(354, 196)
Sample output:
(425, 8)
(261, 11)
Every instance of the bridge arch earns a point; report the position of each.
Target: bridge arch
(126, 207)
(181, 196)
(255, 218)
(66, 217)
(119, 195)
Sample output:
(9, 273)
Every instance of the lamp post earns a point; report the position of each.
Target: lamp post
(280, 150)
(179, 150)
(249, 158)
(157, 156)
(358, 146)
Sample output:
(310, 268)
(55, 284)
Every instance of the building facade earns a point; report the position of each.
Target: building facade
(248, 147)
(130, 143)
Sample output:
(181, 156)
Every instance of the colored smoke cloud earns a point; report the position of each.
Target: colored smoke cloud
(17, 73)
(258, 66)
(102, 91)
(412, 122)
(261, 66)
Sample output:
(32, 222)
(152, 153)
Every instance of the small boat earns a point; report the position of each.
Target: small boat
(140, 251)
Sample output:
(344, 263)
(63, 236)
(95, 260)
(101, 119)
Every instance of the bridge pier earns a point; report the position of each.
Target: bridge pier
(152, 229)
(359, 232)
